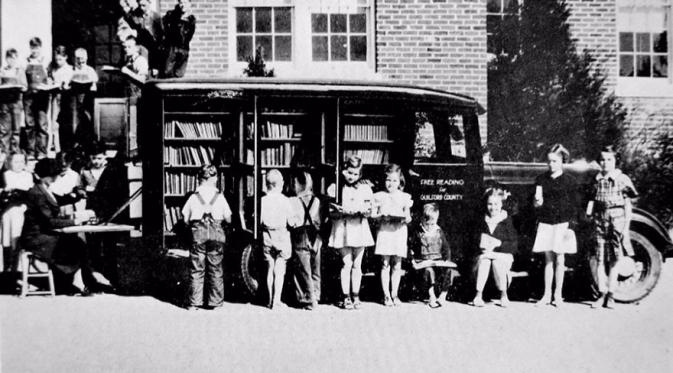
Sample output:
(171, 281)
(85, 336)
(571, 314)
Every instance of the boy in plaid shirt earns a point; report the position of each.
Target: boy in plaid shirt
(611, 212)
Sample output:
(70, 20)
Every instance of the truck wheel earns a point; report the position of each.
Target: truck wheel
(637, 275)
(250, 269)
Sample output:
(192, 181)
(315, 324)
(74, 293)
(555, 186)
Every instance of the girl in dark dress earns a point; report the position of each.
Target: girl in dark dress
(556, 203)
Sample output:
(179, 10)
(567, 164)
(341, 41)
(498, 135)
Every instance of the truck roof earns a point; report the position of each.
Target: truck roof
(346, 88)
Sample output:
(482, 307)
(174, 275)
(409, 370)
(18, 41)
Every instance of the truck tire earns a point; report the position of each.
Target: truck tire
(640, 275)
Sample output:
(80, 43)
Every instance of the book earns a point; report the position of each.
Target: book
(488, 242)
(420, 264)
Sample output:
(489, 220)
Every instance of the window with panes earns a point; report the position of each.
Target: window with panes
(643, 39)
(339, 37)
(267, 27)
(498, 11)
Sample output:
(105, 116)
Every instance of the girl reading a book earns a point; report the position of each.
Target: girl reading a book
(391, 207)
(497, 246)
(556, 202)
(350, 229)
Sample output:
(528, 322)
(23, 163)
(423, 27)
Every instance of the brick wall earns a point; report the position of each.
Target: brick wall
(209, 48)
(593, 24)
(434, 43)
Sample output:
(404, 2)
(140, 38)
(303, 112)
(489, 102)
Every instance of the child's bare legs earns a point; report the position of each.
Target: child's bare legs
(385, 279)
(351, 272)
(396, 276)
(429, 281)
(483, 269)
(501, 266)
(548, 277)
(278, 280)
(270, 267)
(559, 275)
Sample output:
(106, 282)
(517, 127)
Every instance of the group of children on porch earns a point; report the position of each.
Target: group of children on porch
(292, 226)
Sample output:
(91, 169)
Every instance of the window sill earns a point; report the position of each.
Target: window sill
(644, 87)
(321, 69)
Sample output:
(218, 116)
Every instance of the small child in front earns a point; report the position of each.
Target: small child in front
(391, 207)
(431, 253)
(276, 216)
(205, 211)
(611, 212)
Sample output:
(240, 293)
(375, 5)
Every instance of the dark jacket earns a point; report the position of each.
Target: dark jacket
(178, 32)
(41, 217)
(504, 232)
(428, 245)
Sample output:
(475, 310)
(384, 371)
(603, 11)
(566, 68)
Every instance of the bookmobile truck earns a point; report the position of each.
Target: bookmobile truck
(248, 126)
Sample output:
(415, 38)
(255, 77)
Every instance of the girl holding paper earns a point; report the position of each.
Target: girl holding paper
(497, 244)
(556, 202)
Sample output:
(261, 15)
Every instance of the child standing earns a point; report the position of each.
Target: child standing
(350, 230)
(431, 253)
(92, 173)
(17, 179)
(306, 241)
(556, 200)
(391, 207)
(36, 102)
(611, 210)
(498, 244)
(276, 216)
(205, 211)
(11, 108)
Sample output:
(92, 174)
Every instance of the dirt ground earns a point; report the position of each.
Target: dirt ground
(110, 333)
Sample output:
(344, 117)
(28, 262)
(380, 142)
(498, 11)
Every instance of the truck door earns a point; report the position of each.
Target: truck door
(447, 170)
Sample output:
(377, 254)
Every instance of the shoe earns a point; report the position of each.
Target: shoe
(388, 302)
(192, 308)
(598, 303)
(356, 302)
(544, 301)
(609, 302)
(396, 301)
(504, 302)
(86, 292)
(346, 303)
(478, 302)
(434, 304)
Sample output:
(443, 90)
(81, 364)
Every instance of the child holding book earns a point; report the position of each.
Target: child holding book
(204, 212)
(350, 230)
(431, 253)
(17, 180)
(11, 108)
(36, 101)
(611, 212)
(276, 216)
(497, 246)
(556, 202)
(391, 207)
(306, 241)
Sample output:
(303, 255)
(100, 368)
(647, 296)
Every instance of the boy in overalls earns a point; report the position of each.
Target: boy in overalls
(204, 212)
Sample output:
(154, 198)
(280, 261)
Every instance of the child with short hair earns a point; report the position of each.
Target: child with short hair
(11, 108)
(392, 209)
(431, 253)
(97, 163)
(17, 180)
(350, 230)
(306, 241)
(36, 102)
(611, 211)
(556, 200)
(205, 211)
(498, 242)
(276, 216)
(60, 74)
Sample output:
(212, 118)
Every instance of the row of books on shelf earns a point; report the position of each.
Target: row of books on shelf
(369, 156)
(366, 132)
(172, 216)
(188, 155)
(279, 155)
(279, 130)
(181, 184)
(193, 130)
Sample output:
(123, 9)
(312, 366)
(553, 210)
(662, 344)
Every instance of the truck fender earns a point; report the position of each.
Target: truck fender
(648, 225)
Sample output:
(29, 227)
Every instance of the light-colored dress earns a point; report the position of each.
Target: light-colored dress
(353, 231)
(391, 238)
(12, 218)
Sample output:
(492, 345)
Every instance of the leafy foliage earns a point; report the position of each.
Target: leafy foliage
(542, 91)
(257, 66)
(650, 164)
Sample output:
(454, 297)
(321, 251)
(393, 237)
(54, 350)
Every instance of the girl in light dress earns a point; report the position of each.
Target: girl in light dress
(16, 178)
(350, 229)
(556, 202)
(392, 208)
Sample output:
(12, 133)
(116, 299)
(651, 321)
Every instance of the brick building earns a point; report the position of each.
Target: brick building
(437, 43)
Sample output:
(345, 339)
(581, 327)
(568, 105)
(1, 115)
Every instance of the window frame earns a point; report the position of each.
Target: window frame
(502, 14)
(272, 33)
(329, 34)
